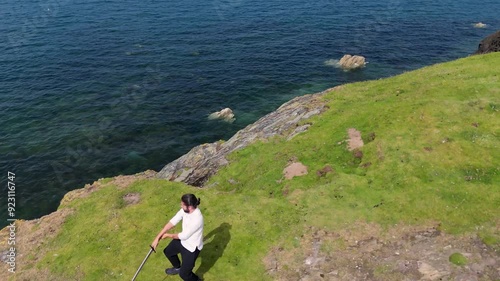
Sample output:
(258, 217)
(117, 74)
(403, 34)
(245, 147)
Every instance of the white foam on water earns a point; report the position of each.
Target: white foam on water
(332, 62)
(480, 25)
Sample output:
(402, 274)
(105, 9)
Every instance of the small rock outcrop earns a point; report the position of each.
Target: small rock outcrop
(489, 44)
(226, 115)
(349, 62)
(196, 167)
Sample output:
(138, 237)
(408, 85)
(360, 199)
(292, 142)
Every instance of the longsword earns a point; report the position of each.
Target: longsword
(144, 261)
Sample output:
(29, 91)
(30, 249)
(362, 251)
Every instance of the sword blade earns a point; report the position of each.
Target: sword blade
(143, 262)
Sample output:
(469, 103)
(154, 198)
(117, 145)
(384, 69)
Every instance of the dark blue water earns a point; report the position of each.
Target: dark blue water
(92, 89)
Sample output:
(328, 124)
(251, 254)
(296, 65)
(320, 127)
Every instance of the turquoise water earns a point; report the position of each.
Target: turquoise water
(93, 89)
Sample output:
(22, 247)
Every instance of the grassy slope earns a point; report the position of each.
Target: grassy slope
(434, 157)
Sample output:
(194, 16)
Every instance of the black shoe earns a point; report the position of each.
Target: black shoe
(172, 271)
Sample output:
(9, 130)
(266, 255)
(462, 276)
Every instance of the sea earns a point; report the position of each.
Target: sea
(99, 88)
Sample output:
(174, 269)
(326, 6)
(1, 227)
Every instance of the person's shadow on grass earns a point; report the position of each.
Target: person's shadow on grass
(213, 250)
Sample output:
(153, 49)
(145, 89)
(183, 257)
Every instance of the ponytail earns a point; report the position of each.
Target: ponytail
(190, 200)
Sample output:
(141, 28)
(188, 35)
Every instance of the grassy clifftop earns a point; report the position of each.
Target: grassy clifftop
(429, 167)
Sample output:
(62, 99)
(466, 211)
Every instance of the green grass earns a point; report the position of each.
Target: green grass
(107, 240)
(458, 259)
(434, 158)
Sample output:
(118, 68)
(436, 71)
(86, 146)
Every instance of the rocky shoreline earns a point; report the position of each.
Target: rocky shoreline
(418, 254)
(193, 168)
(203, 161)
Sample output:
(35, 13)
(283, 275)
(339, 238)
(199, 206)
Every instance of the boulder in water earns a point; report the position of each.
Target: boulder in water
(226, 115)
(349, 62)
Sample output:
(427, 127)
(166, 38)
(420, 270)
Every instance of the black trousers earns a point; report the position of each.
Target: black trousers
(171, 252)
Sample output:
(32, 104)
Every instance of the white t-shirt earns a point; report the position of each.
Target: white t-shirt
(192, 229)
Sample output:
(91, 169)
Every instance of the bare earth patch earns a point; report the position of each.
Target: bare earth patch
(132, 198)
(355, 140)
(124, 181)
(366, 252)
(31, 237)
(295, 169)
(120, 181)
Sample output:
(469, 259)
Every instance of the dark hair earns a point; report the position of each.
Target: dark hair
(190, 200)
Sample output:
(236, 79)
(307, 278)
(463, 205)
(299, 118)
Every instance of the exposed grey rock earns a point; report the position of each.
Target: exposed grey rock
(298, 130)
(489, 44)
(349, 62)
(429, 272)
(226, 115)
(195, 167)
(4, 256)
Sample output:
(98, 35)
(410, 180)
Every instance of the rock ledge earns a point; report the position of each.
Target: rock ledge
(195, 167)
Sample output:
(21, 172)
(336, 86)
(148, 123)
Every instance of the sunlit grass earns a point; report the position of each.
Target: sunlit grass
(432, 156)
